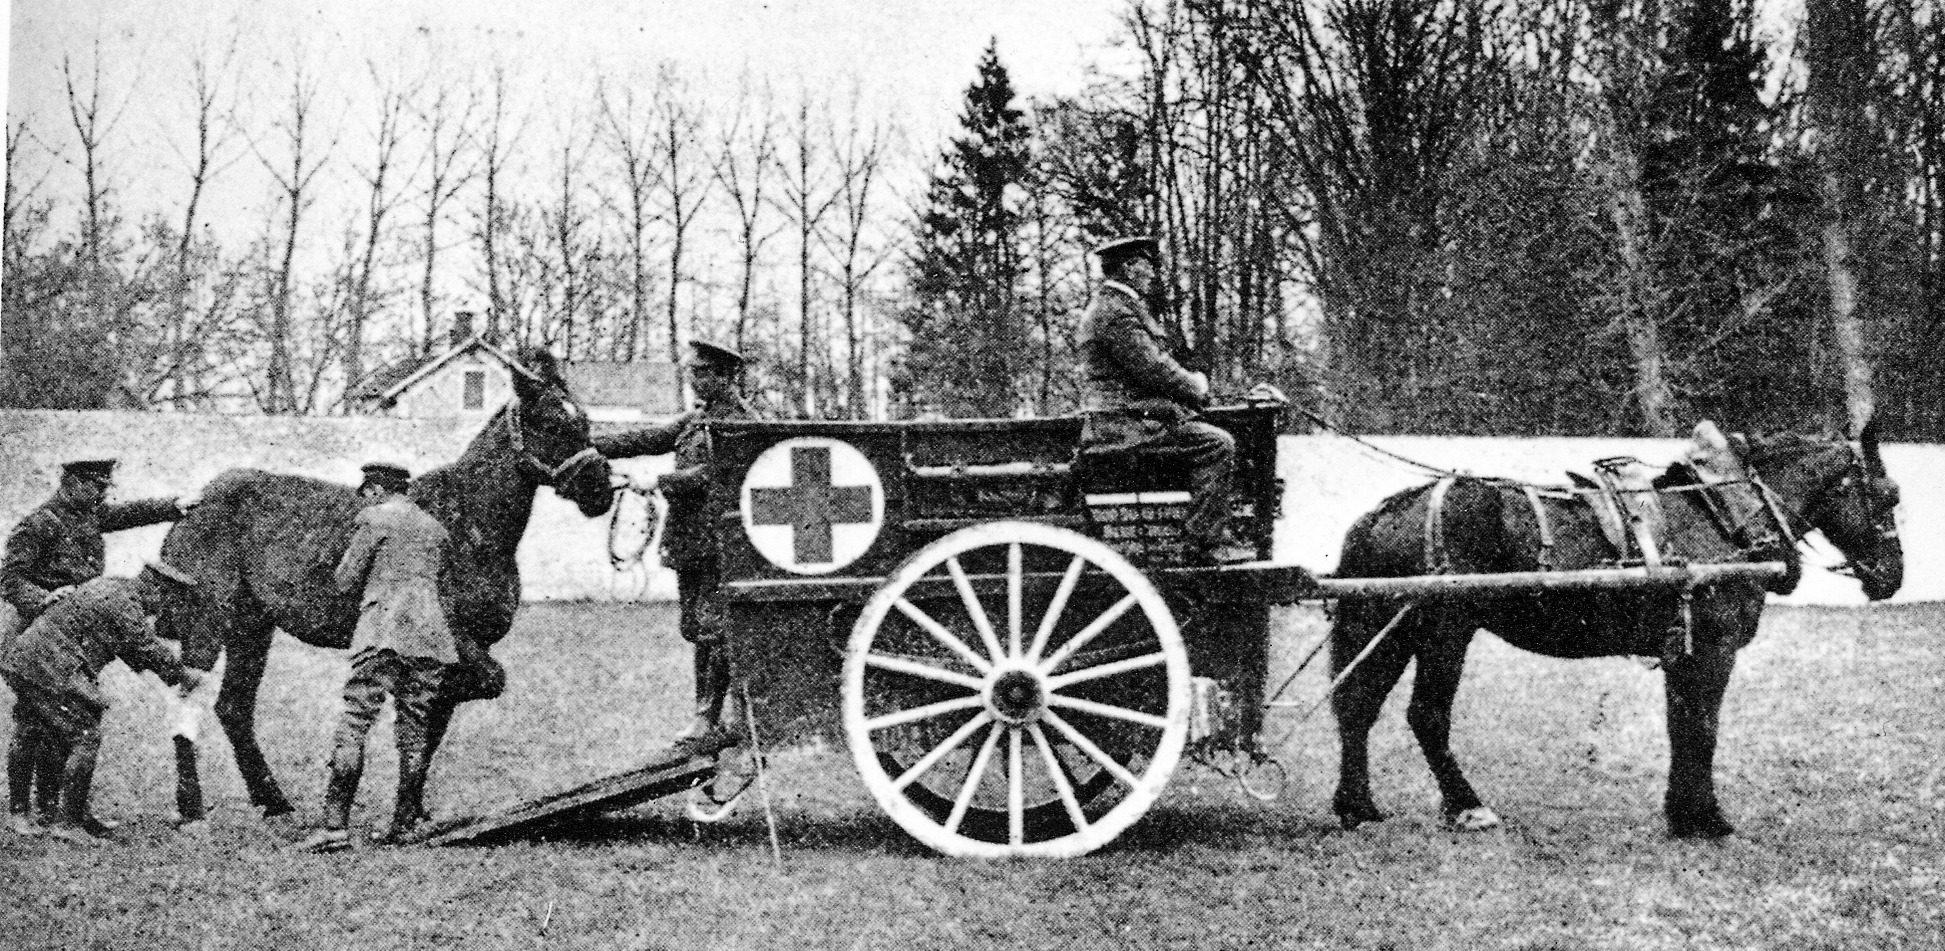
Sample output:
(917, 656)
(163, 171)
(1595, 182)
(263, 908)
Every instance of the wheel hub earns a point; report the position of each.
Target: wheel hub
(1016, 697)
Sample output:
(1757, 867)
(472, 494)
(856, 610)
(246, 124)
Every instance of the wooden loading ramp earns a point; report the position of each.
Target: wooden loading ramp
(652, 781)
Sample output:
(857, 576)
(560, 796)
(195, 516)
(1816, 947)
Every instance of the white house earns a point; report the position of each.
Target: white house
(474, 377)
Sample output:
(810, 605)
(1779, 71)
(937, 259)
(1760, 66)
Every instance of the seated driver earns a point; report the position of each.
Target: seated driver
(1141, 403)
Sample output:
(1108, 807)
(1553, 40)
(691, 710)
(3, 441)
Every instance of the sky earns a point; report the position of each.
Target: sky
(914, 56)
(909, 60)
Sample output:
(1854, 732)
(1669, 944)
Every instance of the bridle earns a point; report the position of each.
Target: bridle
(1857, 481)
(547, 475)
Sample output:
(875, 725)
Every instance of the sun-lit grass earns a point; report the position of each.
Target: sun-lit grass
(1830, 766)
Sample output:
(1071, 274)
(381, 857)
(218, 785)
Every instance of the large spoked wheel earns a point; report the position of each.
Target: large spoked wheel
(1016, 689)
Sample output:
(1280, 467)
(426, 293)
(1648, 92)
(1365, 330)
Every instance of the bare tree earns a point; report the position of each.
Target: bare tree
(205, 291)
(859, 152)
(293, 168)
(497, 144)
(382, 196)
(806, 199)
(444, 116)
(571, 246)
(685, 178)
(93, 123)
(745, 158)
(627, 128)
(1624, 71)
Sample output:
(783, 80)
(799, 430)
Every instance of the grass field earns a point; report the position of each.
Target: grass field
(1831, 765)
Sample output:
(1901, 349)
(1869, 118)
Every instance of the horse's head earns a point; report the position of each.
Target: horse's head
(1841, 489)
(550, 432)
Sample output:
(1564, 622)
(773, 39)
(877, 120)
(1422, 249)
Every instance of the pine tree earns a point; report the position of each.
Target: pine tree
(967, 317)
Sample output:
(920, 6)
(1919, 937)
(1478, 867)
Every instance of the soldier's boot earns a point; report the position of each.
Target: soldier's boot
(189, 785)
(708, 733)
(408, 811)
(339, 793)
(23, 756)
(76, 823)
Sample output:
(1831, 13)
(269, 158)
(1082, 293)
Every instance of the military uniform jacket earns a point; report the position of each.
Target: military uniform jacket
(65, 650)
(58, 545)
(1135, 390)
(687, 541)
(393, 562)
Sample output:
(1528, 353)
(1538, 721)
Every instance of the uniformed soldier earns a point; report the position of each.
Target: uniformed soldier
(55, 548)
(401, 647)
(688, 544)
(54, 668)
(1141, 403)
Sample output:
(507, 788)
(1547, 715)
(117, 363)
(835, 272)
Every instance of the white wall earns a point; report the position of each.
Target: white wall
(1329, 482)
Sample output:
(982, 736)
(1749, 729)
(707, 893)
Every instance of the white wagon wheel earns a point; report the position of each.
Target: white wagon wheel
(1016, 689)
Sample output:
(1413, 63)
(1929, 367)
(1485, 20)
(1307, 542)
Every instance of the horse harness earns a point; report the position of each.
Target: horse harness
(1627, 505)
(547, 475)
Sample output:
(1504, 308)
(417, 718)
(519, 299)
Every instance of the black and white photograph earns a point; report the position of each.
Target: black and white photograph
(933, 474)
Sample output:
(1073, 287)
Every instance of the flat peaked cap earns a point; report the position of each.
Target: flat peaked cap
(391, 469)
(90, 468)
(716, 355)
(172, 573)
(1121, 249)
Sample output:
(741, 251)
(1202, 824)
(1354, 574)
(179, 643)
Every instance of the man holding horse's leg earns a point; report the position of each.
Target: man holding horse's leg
(55, 548)
(688, 544)
(54, 669)
(400, 649)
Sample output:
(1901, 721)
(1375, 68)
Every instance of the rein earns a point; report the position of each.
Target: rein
(548, 475)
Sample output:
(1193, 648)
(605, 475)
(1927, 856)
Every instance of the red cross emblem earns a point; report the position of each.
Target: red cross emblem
(812, 505)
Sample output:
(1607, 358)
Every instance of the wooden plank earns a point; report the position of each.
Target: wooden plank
(653, 781)
(1434, 587)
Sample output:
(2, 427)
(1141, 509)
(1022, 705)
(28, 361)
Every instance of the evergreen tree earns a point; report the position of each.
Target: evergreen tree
(966, 316)
(1740, 324)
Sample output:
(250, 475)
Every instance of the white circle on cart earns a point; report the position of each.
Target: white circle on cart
(812, 505)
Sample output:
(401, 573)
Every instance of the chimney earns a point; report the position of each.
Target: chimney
(462, 327)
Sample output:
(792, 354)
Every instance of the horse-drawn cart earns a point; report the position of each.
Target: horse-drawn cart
(1003, 631)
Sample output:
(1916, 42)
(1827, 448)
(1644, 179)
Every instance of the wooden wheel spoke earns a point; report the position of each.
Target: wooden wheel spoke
(1015, 580)
(953, 742)
(1088, 633)
(926, 712)
(925, 721)
(974, 609)
(1059, 774)
(943, 636)
(1108, 710)
(973, 777)
(1085, 745)
(1056, 608)
(905, 665)
(1099, 671)
(1016, 792)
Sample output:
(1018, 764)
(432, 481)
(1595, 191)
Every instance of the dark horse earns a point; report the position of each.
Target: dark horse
(265, 546)
(1831, 485)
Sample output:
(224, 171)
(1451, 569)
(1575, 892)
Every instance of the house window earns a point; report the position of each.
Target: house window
(475, 397)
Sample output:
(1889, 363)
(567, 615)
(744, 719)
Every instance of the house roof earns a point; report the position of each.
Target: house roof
(387, 382)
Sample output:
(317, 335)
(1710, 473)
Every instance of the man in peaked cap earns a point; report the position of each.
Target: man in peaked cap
(715, 373)
(54, 668)
(57, 547)
(1141, 403)
(400, 650)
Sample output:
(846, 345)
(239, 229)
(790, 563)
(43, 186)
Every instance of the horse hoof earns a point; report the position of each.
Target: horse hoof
(1475, 819)
(281, 807)
(1702, 827)
(1352, 817)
